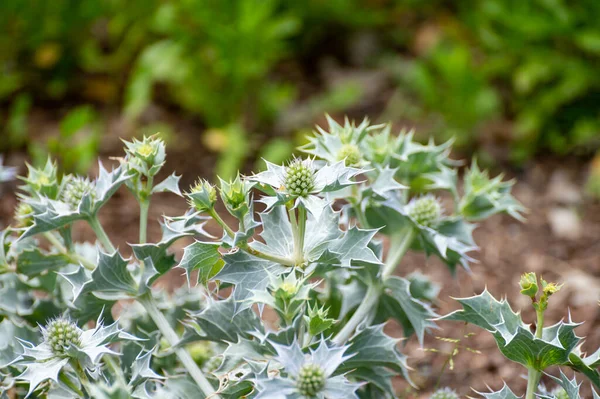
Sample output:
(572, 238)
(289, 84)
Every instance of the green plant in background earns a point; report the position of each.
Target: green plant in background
(215, 59)
(450, 85)
(76, 145)
(323, 272)
(555, 345)
(546, 53)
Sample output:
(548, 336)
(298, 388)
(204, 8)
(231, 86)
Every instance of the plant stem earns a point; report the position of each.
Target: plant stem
(277, 259)
(144, 199)
(533, 379)
(298, 229)
(533, 375)
(144, 205)
(398, 246)
(73, 257)
(274, 258)
(299, 250)
(67, 381)
(85, 382)
(213, 213)
(171, 336)
(110, 362)
(366, 306)
(101, 234)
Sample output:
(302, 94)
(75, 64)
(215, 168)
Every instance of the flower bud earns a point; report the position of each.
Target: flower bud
(42, 181)
(287, 290)
(311, 380)
(75, 189)
(350, 153)
(202, 196)
(23, 215)
(146, 156)
(61, 333)
(299, 178)
(444, 393)
(529, 285)
(425, 211)
(235, 195)
(550, 288)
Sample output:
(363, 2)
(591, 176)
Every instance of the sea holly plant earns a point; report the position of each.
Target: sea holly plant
(538, 349)
(288, 297)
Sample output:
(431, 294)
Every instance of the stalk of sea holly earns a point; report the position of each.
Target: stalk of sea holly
(423, 212)
(145, 159)
(530, 288)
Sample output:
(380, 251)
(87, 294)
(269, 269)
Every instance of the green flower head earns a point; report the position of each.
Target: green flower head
(529, 285)
(75, 188)
(299, 177)
(425, 211)
(60, 334)
(311, 379)
(350, 153)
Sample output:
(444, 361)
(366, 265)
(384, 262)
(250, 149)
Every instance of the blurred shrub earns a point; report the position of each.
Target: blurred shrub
(547, 53)
(237, 64)
(76, 145)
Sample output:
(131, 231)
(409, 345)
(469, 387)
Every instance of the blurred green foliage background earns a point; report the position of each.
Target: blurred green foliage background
(506, 78)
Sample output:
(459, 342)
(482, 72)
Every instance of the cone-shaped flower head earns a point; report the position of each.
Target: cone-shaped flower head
(311, 379)
(308, 375)
(60, 334)
(64, 342)
(75, 189)
(349, 153)
(444, 393)
(425, 210)
(300, 177)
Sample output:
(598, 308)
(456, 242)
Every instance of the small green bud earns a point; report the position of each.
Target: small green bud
(311, 380)
(235, 195)
(444, 393)
(146, 156)
(75, 189)
(425, 211)
(299, 178)
(61, 333)
(550, 288)
(42, 181)
(350, 153)
(23, 215)
(287, 289)
(529, 285)
(202, 196)
(317, 320)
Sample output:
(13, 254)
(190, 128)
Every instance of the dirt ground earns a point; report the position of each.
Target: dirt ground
(560, 240)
